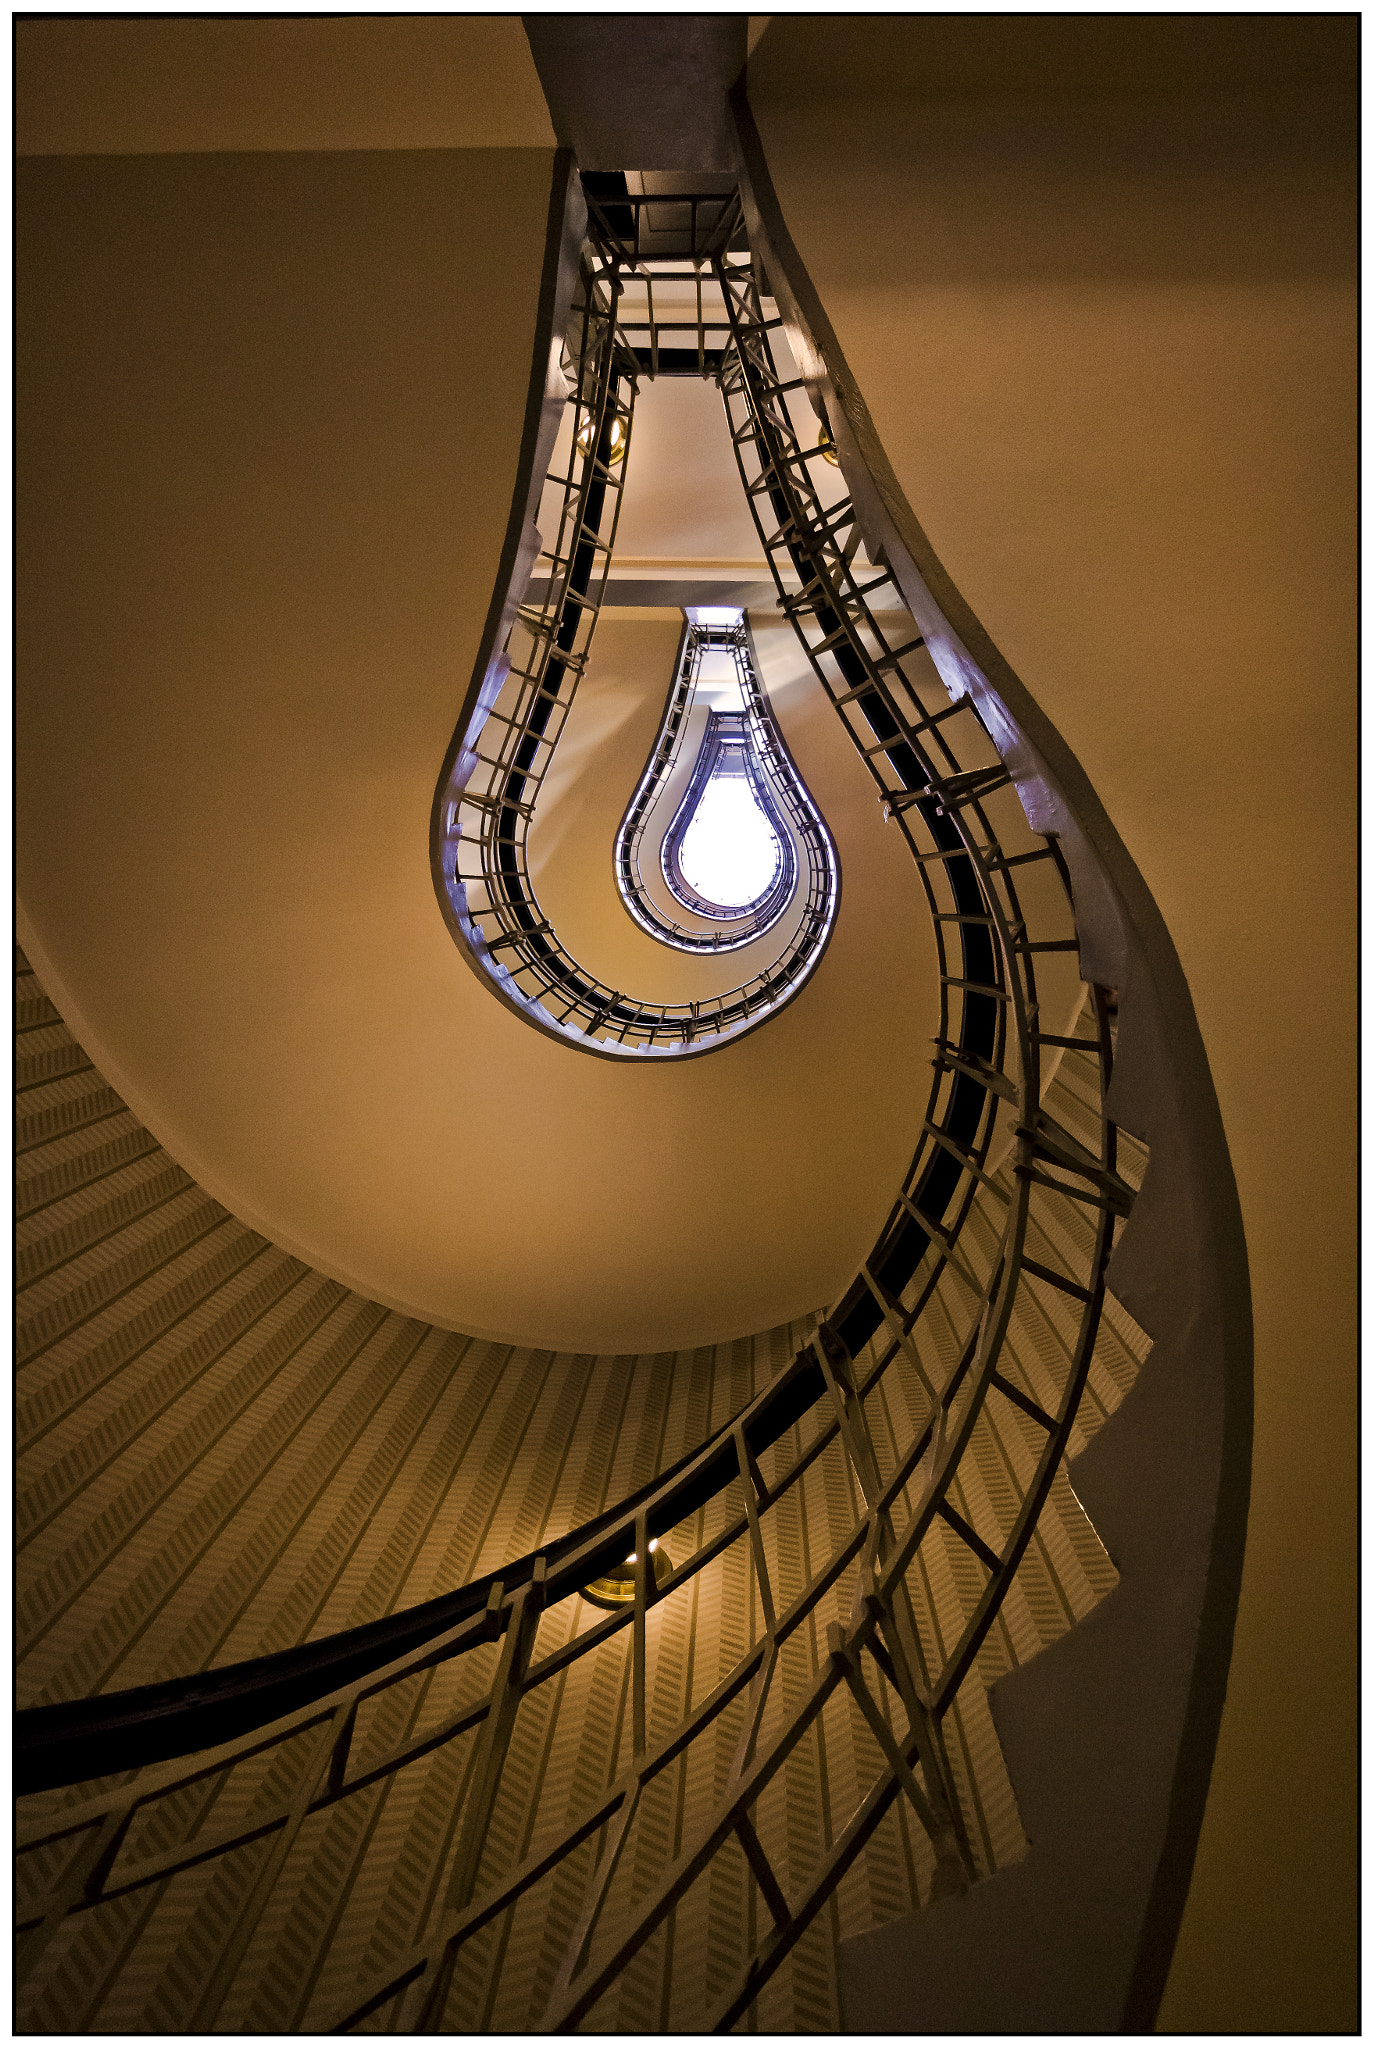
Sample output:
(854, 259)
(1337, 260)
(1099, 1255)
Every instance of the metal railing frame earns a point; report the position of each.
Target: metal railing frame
(987, 1061)
(511, 737)
(778, 788)
(491, 796)
(727, 738)
(900, 1505)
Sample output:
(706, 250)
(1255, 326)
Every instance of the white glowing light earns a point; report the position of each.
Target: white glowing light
(711, 615)
(730, 852)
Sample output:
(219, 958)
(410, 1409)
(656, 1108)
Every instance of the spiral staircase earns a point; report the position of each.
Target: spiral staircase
(742, 1656)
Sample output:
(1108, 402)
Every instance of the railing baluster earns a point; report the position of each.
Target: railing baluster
(493, 1745)
(936, 803)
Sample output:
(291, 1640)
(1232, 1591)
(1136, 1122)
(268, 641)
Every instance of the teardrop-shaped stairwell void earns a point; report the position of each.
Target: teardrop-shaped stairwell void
(729, 855)
(721, 851)
(722, 838)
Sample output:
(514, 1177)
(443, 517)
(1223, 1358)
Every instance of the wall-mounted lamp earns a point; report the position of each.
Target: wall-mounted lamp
(619, 438)
(616, 1589)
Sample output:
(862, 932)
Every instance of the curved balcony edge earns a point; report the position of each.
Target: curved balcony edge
(1115, 1727)
(593, 1012)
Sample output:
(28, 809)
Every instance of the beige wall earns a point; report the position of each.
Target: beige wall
(93, 87)
(1109, 346)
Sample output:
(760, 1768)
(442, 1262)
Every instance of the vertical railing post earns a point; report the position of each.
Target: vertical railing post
(492, 1747)
(953, 1853)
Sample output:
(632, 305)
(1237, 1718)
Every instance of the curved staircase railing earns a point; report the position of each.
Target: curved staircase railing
(1007, 1214)
(881, 1654)
(880, 1646)
(520, 703)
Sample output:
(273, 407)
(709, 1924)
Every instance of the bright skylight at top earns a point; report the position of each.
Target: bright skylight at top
(714, 615)
(730, 852)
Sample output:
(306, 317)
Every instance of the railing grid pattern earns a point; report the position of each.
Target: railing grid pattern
(489, 805)
(734, 1569)
(865, 1541)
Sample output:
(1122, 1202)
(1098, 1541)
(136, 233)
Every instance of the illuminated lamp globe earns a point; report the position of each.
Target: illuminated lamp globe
(619, 438)
(616, 1589)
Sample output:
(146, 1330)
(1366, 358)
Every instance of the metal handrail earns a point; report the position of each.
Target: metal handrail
(959, 817)
(824, 1383)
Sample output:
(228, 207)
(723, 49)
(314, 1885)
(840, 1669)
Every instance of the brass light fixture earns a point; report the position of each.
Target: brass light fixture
(619, 437)
(616, 1589)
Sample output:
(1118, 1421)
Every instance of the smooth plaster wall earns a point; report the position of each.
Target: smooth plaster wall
(1104, 320)
(93, 87)
(682, 496)
(267, 439)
